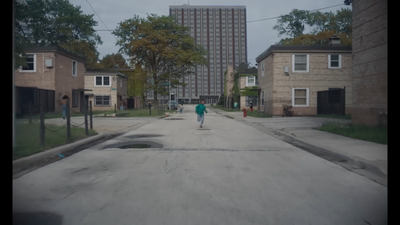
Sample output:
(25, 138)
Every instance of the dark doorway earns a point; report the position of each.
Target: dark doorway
(331, 101)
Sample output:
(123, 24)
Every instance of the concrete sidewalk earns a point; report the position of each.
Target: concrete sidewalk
(107, 127)
(365, 158)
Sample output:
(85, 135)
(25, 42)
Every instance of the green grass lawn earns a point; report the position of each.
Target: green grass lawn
(225, 109)
(367, 133)
(51, 115)
(27, 138)
(346, 117)
(142, 112)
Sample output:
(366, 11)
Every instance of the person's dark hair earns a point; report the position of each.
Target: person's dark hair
(202, 100)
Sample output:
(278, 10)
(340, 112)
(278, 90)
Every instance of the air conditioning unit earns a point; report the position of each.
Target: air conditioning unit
(49, 63)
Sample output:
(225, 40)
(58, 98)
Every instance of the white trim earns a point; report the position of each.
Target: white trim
(307, 66)
(307, 97)
(329, 62)
(102, 100)
(247, 81)
(76, 68)
(102, 80)
(34, 65)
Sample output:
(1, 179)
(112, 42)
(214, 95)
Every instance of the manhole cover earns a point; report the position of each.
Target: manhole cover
(174, 119)
(135, 144)
(203, 129)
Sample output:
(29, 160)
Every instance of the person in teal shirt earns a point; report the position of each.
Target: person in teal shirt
(200, 109)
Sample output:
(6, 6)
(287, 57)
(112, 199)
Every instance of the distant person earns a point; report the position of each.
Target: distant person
(181, 107)
(235, 105)
(251, 106)
(200, 109)
(121, 106)
(64, 107)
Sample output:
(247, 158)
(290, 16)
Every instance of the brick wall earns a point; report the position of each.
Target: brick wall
(90, 84)
(369, 62)
(278, 87)
(266, 84)
(65, 82)
(43, 78)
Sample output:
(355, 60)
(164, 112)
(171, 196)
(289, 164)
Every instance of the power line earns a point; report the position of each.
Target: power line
(100, 18)
(276, 17)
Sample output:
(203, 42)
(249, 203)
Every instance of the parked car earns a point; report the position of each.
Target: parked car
(174, 105)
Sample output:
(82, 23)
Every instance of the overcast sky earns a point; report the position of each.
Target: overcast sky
(260, 35)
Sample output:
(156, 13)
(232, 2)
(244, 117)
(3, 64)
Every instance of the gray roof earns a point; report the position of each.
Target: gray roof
(304, 48)
(54, 49)
(105, 71)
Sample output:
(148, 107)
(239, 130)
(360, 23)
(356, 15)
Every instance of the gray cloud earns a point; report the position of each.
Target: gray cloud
(260, 35)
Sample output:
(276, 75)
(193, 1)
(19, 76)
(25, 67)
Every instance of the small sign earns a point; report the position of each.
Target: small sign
(113, 89)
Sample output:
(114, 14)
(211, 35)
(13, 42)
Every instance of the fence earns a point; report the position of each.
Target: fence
(88, 122)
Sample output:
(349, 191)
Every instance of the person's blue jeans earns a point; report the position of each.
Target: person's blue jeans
(121, 108)
(200, 118)
(181, 111)
(64, 111)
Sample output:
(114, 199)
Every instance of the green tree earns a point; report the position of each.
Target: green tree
(109, 61)
(164, 47)
(321, 38)
(293, 25)
(56, 23)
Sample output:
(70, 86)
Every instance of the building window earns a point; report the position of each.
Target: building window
(300, 63)
(30, 63)
(102, 100)
(300, 97)
(335, 61)
(102, 81)
(252, 99)
(74, 69)
(250, 81)
(74, 98)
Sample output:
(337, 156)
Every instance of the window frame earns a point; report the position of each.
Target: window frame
(339, 61)
(307, 97)
(34, 64)
(307, 64)
(102, 100)
(102, 81)
(247, 81)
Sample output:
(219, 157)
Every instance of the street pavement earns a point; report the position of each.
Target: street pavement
(224, 173)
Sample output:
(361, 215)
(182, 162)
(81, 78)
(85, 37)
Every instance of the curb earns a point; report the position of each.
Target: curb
(51, 155)
(361, 167)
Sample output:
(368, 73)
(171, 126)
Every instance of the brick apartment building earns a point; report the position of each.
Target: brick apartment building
(369, 61)
(51, 74)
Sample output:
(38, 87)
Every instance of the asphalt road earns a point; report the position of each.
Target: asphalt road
(225, 173)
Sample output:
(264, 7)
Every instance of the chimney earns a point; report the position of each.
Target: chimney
(334, 40)
(116, 66)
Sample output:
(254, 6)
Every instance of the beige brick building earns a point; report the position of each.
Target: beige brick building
(108, 88)
(369, 62)
(51, 74)
(248, 81)
(293, 75)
